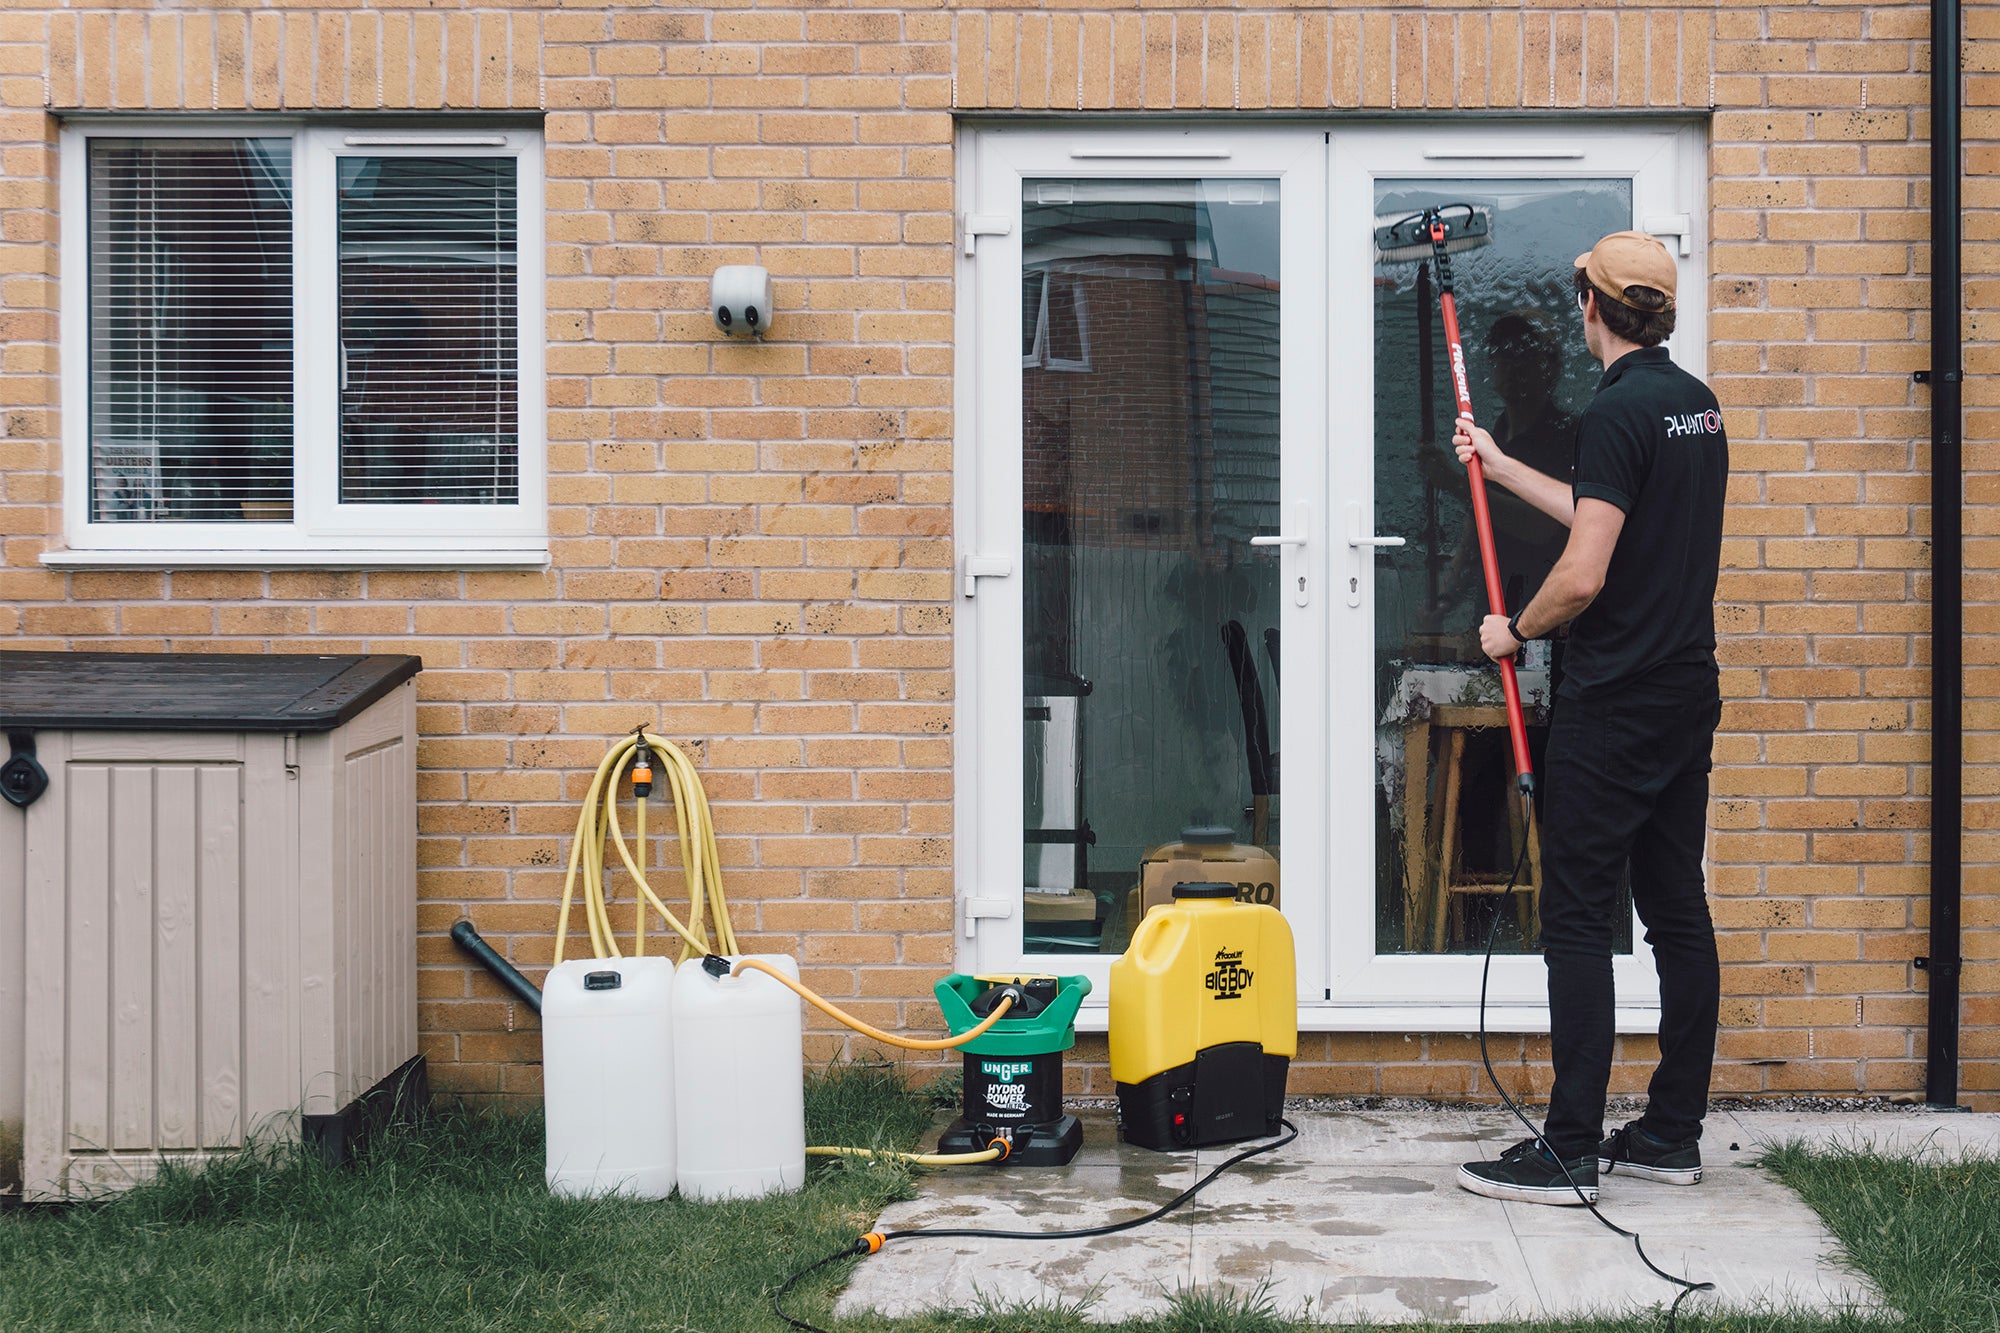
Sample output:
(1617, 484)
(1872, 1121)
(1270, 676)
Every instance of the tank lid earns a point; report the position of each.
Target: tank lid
(1208, 834)
(1198, 889)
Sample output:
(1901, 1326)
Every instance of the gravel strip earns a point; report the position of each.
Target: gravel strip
(1615, 1108)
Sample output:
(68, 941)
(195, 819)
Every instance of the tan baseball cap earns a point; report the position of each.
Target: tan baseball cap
(1629, 259)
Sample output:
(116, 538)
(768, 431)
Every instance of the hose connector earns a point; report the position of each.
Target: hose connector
(870, 1243)
(642, 763)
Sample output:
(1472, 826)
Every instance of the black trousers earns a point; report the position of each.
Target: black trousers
(1626, 783)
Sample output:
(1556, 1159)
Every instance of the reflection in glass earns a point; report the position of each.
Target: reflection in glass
(1149, 349)
(1448, 829)
(429, 386)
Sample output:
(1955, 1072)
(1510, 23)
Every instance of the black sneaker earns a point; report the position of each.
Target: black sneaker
(1526, 1173)
(1635, 1152)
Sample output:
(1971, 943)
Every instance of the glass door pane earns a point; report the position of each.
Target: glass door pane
(1445, 840)
(1149, 342)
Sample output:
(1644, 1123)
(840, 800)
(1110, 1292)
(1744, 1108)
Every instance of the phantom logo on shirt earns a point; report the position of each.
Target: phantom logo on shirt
(1694, 423)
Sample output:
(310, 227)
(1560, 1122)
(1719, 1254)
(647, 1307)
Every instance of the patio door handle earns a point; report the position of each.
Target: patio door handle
(1361, 545)
(1301, 530)
(1354, 537)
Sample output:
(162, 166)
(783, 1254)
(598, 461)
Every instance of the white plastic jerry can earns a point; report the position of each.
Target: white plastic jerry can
(608, 1076)
(739, 1075)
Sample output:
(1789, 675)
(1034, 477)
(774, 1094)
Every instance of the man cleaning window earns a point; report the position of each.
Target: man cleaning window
(1626, 774)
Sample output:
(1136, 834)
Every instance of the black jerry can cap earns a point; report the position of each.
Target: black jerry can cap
(1203, 889)
(602, 981)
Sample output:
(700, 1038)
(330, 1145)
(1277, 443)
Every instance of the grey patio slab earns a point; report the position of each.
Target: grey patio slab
(1378, 1199)
(1601, 1273)
(1361, 1219)
(1117, 1277)
(1058, 1199)
(1745, 1203)
(1355, 1279)
(1402, 1137)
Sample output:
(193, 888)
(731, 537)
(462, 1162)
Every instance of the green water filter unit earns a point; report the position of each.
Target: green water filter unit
(1013, 1071)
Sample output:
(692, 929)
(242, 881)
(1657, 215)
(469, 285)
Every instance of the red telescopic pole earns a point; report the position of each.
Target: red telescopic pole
(1482, 517)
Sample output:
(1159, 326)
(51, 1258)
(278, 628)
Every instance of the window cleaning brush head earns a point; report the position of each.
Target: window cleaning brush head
(1405, 239)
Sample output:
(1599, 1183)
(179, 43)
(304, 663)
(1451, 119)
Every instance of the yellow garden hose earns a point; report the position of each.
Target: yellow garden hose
(701, 868)
(866, 1030)
(995, 1153)
(701, 865)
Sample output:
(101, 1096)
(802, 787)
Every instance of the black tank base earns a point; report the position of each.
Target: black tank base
(1052, 1143)
(1226, 1094)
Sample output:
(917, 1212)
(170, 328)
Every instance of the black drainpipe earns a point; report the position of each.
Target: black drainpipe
(1947, 566)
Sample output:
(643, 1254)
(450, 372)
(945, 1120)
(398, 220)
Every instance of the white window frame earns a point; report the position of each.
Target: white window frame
(323, 532)
(1362, 991)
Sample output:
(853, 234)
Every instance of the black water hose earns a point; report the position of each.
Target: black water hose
(1947, 567)
(525, 990)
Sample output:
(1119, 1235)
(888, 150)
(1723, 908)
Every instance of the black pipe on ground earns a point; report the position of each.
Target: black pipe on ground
(1947, 565)
(525, 990)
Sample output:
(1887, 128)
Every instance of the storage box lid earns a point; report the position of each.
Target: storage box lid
(193, 691)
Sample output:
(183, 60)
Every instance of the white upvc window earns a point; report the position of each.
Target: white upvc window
(301, 344)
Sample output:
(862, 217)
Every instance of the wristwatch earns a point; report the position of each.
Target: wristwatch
(1514, 627)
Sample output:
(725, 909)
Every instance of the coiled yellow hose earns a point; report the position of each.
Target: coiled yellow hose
(701, 865)
(701, 868)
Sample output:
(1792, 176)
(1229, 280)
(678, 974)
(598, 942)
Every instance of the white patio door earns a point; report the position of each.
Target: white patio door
(1208, 518)
(1146, 553)
(1420, 774)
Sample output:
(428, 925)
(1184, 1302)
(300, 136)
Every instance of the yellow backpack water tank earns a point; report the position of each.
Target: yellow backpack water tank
(1204, 1021)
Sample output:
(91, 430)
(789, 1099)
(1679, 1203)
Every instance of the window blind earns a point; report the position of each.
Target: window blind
(190, 259)
(429, 323)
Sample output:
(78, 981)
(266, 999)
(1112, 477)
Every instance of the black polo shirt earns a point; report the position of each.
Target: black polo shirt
(1652, 443)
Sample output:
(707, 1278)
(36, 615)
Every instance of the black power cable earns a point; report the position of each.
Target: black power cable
(875, 1240)
(1688, 1288)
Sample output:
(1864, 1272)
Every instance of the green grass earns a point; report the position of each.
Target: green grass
(445, 1227)
(1928, 1233)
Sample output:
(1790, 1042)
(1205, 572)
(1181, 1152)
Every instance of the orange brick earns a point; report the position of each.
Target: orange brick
(752, 546)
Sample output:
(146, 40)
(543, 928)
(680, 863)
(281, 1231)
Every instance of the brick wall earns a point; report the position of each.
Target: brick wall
(752, 544)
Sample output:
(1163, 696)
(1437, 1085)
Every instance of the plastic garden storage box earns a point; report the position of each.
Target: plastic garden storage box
(208, 916)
